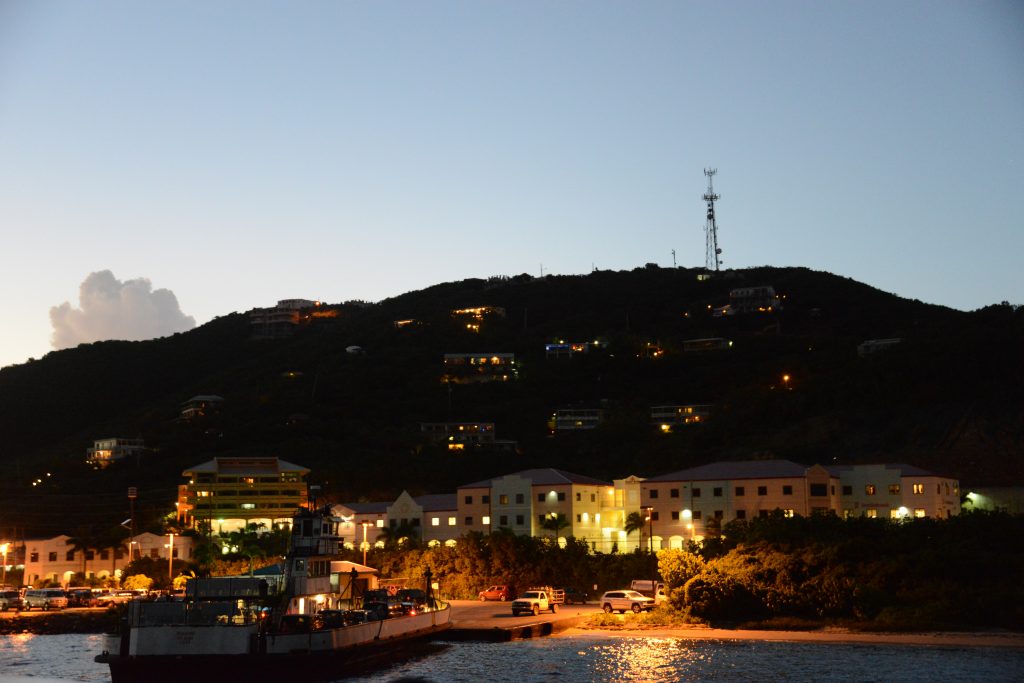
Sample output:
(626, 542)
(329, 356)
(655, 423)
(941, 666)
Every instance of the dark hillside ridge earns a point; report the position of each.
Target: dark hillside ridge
(949, 398)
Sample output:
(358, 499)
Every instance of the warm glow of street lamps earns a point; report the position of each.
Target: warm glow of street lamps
(365, 544)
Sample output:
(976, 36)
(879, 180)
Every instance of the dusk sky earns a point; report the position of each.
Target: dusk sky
(177, 161)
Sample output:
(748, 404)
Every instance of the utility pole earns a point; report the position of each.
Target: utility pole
(711, 250)
(133, 493)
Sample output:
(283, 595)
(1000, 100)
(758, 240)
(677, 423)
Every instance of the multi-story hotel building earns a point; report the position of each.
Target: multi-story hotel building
(231, 493)
(688, 504)
(54, 560)
(896, 491)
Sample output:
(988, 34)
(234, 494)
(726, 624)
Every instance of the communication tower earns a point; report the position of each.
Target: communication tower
(712, 252)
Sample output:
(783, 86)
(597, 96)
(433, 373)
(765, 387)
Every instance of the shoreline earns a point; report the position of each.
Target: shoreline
(828, 635)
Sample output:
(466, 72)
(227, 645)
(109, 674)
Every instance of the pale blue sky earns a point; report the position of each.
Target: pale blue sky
(237, 153)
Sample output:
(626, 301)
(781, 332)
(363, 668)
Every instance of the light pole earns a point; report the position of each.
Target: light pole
(3, 549)
(170, 560)
(650, 520)
(133, 493)
(365, 544)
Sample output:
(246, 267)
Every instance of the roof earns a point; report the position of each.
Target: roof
(437, 501)
(208, 398)
(246, 465)
(742, 469)
(902, 468)
(367, 508)
(547, 476)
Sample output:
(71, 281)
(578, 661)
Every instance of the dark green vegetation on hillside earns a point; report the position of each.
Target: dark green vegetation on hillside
(950, 398)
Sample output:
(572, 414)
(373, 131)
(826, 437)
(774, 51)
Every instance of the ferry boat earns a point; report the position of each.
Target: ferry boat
(225, 630)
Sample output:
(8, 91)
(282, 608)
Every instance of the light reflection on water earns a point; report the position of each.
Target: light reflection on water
(582, 659)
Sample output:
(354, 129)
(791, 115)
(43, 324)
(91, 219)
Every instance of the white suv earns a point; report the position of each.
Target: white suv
(624, 600)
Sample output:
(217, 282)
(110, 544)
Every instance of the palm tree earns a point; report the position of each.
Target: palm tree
(82, 542)
(635, 522)
(393, 536)
(554, 523)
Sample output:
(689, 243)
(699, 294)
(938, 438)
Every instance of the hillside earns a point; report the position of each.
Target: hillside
(949, 398)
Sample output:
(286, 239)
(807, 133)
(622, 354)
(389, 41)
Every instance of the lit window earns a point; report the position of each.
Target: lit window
(918, 489)
(486, 520)
(787, 513)
(435, 521)
(451, 521)
(869, 490)
(248, 506)
(871, 514)
(919, 512)
(894, 489)
(502, 500)
(380, 523)
(894, 514)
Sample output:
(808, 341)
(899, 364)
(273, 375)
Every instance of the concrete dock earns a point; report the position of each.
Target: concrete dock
(493, 621)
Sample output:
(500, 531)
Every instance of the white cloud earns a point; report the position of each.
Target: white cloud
(111, 309)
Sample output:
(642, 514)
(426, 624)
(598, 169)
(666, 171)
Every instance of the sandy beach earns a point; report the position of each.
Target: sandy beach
(828, 635)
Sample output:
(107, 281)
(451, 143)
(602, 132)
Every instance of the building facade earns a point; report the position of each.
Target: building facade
(896, 491)
(104, 452)
(58, 561)
(230, 493)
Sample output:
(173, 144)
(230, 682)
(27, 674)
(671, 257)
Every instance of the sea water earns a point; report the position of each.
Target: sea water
(581, 659)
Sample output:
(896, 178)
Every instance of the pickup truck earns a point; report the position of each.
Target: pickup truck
(537, 600)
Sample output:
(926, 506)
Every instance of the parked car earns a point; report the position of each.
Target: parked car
(10, 600)
(45, 598)
(501, 593)
(620, 601)
(116, 598)
(81, 597)
(573, 596)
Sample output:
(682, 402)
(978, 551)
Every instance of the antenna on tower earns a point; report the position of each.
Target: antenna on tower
(673, 258)
(711, 250)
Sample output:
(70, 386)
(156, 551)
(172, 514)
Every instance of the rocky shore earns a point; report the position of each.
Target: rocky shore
(51, 623)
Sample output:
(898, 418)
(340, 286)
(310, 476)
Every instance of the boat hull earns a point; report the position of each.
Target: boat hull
(310, 657)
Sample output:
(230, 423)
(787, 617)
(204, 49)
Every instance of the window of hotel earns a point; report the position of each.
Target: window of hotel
(451, 521)
(847, 490)
(652, 494)
(871, 514)
(33, 557)
(673, 493)
(70, 556)
(788, 512)
(894, 489)
(654, 516)
(502, 500)
(918, 489)
(697, 514)
(675, 514)
(154, 553)
(717, 491)
(740, 490)
(485, 499)
(415, 521)
(561, 496)
(469, 521)
(820, 490)
(540, 497)
(519, 499)
(503, 520)
(696, 492)
(719, 514)
(53, 557)
(90, 555)
(593, 497)
(486, 521)
(847, 513)
(894, 514)
(762, 490)
(919, 512)
(579, 497)
(869, 489)
(469, 500)
(520, 520)
(435, 521)
(579, 518)
(787, 490)
(380, 523)
(762, 513)
(741, 514)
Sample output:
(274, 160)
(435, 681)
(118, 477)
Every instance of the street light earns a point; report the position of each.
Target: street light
(650, 519)
(170, 559)
(365, 544)
(3, 549)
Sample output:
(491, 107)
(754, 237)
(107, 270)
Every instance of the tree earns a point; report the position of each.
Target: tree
(635, 522)
(401, 535)
(137, 582)
(554, 523)
(83, 543)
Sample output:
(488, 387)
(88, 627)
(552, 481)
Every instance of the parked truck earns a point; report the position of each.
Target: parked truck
(538, 599)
